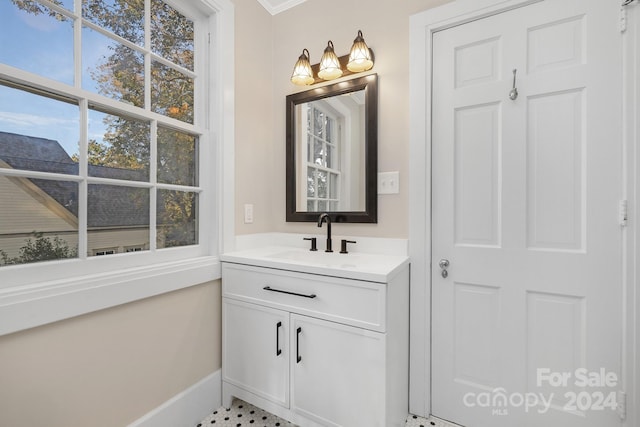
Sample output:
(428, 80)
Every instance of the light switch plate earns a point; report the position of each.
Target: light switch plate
(388, 182)
(248, 213)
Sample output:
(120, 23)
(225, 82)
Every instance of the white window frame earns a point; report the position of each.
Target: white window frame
(36, 294)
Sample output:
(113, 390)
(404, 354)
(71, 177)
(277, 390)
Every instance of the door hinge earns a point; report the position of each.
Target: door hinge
(623, 212)
(622, 404)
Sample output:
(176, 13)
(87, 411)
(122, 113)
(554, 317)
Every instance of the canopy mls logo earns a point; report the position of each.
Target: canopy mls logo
(594, 394)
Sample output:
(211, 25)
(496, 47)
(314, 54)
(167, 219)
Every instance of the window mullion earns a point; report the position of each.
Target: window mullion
(77, 46)
(153, 174)
(147, 55)
(83, 187)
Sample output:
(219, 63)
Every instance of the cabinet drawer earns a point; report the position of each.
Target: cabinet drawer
(352, 302)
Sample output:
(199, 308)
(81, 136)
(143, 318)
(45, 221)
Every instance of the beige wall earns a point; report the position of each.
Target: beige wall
(262, 83)
(110, 367)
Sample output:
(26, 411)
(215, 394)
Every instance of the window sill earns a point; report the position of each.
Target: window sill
(35, 305)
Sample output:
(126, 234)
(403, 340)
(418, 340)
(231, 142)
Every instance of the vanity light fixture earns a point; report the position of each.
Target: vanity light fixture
(329, 64)
(302, 74)
(360, 57)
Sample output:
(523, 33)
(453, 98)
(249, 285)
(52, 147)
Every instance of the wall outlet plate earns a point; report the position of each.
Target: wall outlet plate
(388, 182)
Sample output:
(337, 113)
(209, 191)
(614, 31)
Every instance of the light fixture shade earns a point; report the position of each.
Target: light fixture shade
(360, 56)
(302, 73)
(329, 64)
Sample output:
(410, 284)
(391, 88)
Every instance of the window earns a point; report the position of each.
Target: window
(158, 142)
(102, 127)
(323, 158)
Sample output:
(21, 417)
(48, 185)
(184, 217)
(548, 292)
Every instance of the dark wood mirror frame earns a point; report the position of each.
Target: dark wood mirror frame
(369, 84)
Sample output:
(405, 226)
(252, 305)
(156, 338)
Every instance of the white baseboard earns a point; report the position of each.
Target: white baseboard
(188, 407)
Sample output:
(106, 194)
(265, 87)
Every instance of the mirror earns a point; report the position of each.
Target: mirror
(332, 152)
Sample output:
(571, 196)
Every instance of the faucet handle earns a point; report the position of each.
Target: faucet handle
(314, 243)
(343, 245)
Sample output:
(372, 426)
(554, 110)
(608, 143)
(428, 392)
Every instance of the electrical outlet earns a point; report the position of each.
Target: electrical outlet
(248, 213)
(388, 182)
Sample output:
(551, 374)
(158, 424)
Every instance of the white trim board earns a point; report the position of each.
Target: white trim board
(631, 165)
(422, 26)
(188, 407)
(30, 306)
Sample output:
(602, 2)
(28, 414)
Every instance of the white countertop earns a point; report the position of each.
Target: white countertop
(355, 265)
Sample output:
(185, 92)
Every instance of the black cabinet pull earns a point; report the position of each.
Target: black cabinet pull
(278, 350)
(298, 357)
(269, 288)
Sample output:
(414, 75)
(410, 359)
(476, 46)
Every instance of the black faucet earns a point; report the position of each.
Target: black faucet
(326, 218)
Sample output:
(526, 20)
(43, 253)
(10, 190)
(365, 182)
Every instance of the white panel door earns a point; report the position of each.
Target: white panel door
(525, 211)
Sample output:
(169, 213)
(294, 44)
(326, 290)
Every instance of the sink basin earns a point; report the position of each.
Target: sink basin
(326, 259)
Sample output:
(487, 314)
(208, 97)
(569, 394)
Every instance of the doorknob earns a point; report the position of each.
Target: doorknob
(444, 264)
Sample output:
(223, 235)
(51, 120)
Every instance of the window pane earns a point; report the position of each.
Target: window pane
(322, 184)
(122, 17)
(38, 220)
(330, 154)
(36, 39)
(116, 217)
(177, 157)
(177, 218)
(118, 147)
(317, 123)
(171, 93)
(37, 133)
(318, 153)
(311, 182)
(329, 129)
(171, 34)
(112, 69)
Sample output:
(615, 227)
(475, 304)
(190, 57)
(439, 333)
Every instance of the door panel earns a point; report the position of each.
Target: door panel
(525, 195)
(338, 378)
(256, 350)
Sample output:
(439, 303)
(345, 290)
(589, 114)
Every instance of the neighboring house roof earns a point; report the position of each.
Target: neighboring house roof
(110, 205)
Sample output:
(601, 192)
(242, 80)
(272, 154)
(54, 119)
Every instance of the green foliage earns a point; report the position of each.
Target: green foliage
(37, 9)
(40, 249)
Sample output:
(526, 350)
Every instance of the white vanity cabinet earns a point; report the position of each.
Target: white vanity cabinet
(317, 350)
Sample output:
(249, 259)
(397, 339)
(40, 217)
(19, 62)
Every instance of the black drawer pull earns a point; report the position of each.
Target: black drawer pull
(278, 350)
(298, 357)
(269, 288)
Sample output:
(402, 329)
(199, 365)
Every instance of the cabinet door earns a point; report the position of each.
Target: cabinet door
(338, 375)
(255, 352)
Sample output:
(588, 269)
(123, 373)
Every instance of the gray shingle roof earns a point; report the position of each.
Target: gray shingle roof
(109, 205)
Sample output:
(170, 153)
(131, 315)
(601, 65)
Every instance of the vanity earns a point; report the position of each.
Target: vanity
(320, 339)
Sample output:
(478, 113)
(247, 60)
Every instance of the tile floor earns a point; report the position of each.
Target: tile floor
(242, 414)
